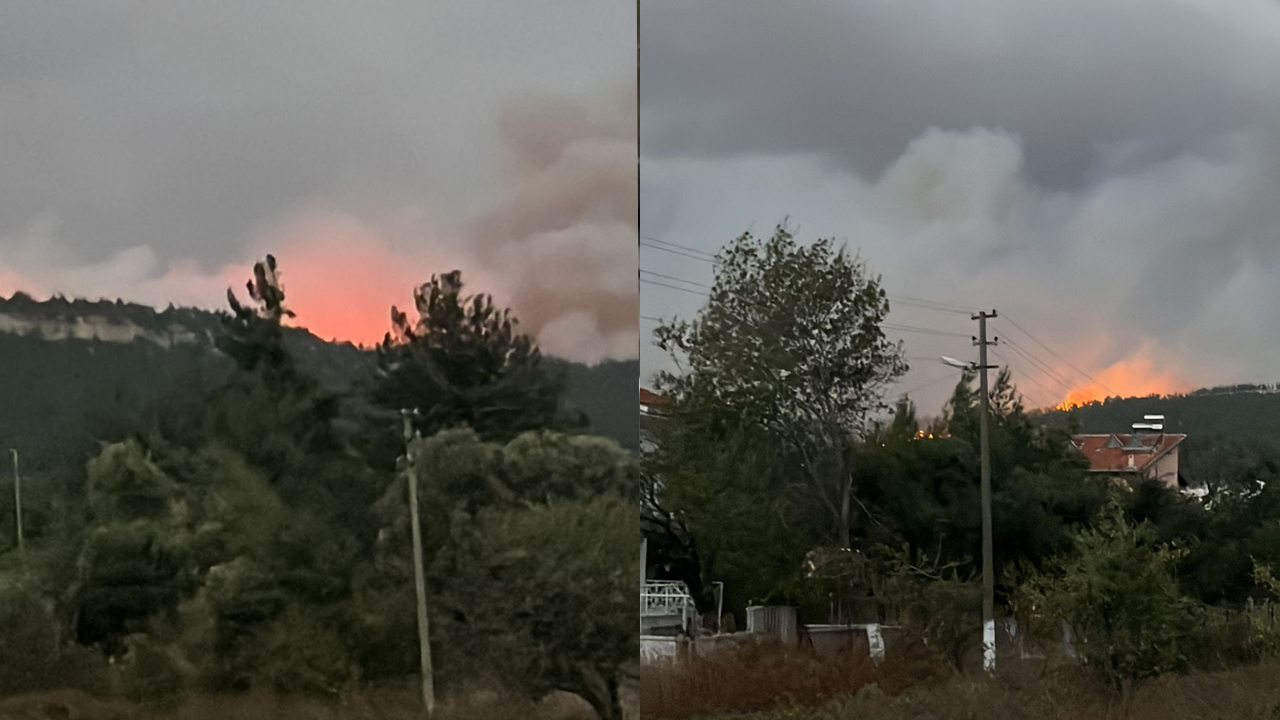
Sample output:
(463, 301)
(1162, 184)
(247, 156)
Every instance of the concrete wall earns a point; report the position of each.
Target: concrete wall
(777, 621)
(656, 649)
(1166, 469)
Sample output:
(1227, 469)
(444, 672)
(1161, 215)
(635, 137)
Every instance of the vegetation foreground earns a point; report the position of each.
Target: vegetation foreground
(766, 684)
(785, 473)
(397, 703)
(244, 541)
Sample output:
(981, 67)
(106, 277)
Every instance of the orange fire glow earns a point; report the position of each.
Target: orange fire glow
(342, 278)
(11, 282)
(1136, 376)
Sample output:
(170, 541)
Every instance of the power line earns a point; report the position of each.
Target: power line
(928, 304)
(924, 304)
(696, 254)
(927, 383)
(673, 277)
(890, 326)
(677, 252)
(709, 256)
(923, 331)
(1028, 376)
(673, 287)
(1051, 352)
(1041, 366)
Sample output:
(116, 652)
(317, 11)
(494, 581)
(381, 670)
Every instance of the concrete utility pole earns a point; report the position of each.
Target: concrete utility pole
(419, 581)
(719, 606)
(17, 498)
(988, 569)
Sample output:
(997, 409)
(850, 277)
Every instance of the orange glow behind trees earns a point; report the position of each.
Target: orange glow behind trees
(1136, 376)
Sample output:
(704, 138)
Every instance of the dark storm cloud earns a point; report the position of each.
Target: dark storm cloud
(858, 80)
(1104, 171)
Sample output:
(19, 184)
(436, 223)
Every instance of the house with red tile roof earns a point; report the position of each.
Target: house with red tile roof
(651, 402)
(653, 409)
(1152, 455)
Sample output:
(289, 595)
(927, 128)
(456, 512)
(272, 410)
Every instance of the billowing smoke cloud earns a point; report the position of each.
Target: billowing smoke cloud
(565, 237)
(1103, 174)
(559, 248)
(153, 150)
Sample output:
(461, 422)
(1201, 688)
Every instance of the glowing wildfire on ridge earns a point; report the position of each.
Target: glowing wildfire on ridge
(1135, 376)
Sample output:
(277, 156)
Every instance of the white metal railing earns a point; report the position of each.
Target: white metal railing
(665, 598)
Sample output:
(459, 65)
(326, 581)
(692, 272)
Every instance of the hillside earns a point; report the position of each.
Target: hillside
(1240, 412)
(71, 371)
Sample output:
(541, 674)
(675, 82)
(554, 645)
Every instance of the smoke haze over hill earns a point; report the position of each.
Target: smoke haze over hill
(153, 151)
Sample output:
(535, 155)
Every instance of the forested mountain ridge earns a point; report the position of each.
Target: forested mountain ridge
(1239, 412)
(74, 371)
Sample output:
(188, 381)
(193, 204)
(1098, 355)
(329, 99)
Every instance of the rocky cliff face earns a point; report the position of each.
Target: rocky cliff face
(104, 321)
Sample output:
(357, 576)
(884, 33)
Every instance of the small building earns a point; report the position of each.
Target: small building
(1146, 453)
(653, 409)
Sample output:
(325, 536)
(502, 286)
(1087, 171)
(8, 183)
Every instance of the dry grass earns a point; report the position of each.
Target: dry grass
(1061, 694)
(754, 677)
(375, 704)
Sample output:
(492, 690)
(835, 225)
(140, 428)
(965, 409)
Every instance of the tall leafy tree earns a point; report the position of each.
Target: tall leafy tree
(789, 342)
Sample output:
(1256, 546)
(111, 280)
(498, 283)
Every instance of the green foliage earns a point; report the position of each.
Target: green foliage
(547, 595)
(462, 362)
(61, 395)
(546, 465)
(153, 673)
(939, 602)
(1262, 613)
(135, 558)
(254, 335)
(790, 341)
(1119, 593)
(736, 497)
(225, 537)
(29, 627)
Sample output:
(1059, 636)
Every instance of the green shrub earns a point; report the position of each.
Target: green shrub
(939, 603)
(1119, 594)
(28, 626)
(152, 673)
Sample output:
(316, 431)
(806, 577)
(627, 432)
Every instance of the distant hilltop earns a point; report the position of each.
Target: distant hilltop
(1243, 412)
(69, 366)
(105, 321)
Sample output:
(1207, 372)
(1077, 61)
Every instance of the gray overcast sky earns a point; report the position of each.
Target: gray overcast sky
(1104, 173)
(152, 149)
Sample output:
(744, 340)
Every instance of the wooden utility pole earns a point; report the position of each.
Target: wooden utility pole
(988, 570)
(419, 580)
